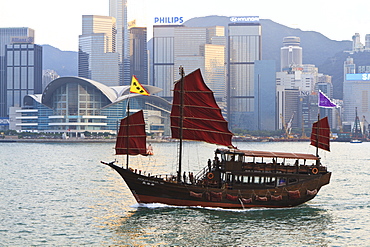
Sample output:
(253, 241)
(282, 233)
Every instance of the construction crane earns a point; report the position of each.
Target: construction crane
(287, 127)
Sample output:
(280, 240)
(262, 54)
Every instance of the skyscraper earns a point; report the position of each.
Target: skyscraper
(265, 95)
(290, 53)
(356, 92)
(118, 10)
(163, 58)
(244, 48)
(97, 59)
(23, 71)
(19, 60)
(192, 48)
(138, 54)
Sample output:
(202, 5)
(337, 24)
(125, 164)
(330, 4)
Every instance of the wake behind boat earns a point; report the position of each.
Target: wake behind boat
(232, 178)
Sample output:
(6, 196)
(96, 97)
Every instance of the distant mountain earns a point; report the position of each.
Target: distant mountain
(316, 47)
(65, 63)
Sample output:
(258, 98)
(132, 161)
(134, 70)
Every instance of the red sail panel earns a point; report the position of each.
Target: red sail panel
(320, 136)
(202, 118)
(131, 137)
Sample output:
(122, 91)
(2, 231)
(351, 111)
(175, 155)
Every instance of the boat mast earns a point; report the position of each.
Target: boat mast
(317, 137)
(181, 72)
(127, 131)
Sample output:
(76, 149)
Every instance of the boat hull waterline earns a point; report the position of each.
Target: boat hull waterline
(148, 190)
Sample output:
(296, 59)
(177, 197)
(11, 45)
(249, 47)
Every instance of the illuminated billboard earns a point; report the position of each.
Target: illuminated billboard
(358, 77)
(168, 20)
(22, 40)
(245, 19)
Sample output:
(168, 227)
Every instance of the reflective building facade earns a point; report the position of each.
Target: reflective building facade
(118, 10)
(244, 48)
(139, 54)
(97, 56)
(23, 72)
(191, 48)
(10, 36)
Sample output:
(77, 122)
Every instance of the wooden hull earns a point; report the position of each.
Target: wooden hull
(156, 190)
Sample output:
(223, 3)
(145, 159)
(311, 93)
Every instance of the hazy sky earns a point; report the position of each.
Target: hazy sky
(59, 22)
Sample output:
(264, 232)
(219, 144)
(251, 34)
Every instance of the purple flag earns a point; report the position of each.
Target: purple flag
(324, 101)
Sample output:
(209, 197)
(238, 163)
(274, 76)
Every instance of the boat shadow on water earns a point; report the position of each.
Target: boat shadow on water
(160, 224)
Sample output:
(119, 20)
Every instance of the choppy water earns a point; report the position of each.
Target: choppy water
(60, 195)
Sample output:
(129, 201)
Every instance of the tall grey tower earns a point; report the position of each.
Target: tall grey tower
(20, 41)
(290, 53)
(118, 10)
(244, 48)
(97, 59)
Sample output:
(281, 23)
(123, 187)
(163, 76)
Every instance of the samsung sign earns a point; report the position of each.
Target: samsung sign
(358, 77)
(245, 19)
(168, 20)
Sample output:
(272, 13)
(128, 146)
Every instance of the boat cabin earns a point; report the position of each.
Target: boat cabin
(240, 168)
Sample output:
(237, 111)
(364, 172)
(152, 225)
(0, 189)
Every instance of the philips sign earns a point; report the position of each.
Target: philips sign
(168, 20)
(245, 19)
(358, 77)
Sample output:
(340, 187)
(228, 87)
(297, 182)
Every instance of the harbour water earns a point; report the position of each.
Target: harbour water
(55, 194)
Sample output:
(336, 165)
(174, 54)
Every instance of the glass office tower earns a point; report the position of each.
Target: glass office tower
(23, 72)
(11, 36)
(244, 48)
(97, 57)
(118, 10)
(139, 54)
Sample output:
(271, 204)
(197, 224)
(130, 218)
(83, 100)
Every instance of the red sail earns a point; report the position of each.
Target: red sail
(202, 118)
(320, 136)
(131, 137)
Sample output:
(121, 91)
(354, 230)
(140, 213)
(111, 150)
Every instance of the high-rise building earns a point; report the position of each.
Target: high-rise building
(367, 42)
(48, 76)
(23, 72)
(356, 43)
(356, 93)
(139, 54)
(164, 58)
(97, 56)
(118, 10)
(191, 48)
(20, 66)
(244, 48)
(290, 53)
(265, 95)
(7, 35)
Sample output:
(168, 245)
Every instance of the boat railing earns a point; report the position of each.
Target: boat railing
(280, 168)
(201, 174)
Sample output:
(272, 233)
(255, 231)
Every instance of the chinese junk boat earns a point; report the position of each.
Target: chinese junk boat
(236, 178)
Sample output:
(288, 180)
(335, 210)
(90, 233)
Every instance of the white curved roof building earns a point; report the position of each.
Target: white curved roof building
(76, 105)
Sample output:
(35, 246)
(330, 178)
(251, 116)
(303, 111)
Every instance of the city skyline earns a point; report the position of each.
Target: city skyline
(60, 24)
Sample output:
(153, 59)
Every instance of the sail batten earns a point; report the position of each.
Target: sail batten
(320, 136)
(202, 119)
(131, 137)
